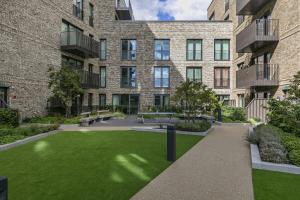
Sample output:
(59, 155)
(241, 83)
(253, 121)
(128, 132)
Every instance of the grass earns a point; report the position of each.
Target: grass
(269, 185)
(87, 165)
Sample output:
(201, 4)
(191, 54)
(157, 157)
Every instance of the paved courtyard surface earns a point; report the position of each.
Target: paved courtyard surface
(217, 168)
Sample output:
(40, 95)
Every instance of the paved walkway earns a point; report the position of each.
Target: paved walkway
(217, 168)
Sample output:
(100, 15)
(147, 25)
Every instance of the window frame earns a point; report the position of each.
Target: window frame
(221, 78)
(161, 96)
(101, 50)
(193, 68)
(128, 77)
(194, 42)
(128, 58)
(221, 55)
(161, 78)
(162, 50)
(105, 100)
(100, 77)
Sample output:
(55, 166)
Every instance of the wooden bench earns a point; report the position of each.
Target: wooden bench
(88, 119)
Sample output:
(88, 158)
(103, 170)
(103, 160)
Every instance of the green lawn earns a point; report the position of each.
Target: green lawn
(91, 165)
(269, 185)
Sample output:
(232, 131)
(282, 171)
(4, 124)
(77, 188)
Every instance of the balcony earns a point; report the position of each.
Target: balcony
(77, 43)
(249, 7)
(89, 80)
(124, 10)
(77, 11)
(257, 75)
(260, 33)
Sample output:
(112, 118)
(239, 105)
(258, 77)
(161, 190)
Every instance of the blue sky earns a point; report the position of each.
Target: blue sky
(170, 9)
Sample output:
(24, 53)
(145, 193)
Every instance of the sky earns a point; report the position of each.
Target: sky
(170, 9)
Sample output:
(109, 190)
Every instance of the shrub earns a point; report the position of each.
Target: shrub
(199, 126)
(46, 120)
(10, 138)
(9, 117)
(294, 156)
(273, 152)
(233, 114)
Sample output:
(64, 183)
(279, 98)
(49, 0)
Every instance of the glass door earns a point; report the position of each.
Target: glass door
(3, 97)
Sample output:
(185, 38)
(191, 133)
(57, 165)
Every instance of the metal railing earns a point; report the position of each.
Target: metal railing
(259, 30)
(89, 80)
(257, 108)
(77, 11)
(258, 75)
(125, 5)
(78, 39)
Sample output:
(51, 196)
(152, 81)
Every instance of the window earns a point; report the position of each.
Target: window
(241, 19)
(161, 77)
(102, 77)
(102, 101)
(91, 69)
(162, 50)
(103, 46)
(194, 74)
(71, 62)
(222, 78)
(128, 77)
(162, 101)
(78, 8)
(128, 49)
(212, 17)
(70, 34)
(222, 50)
(3, 97)
(194, 50)
(90, 101)
(91, 15)
(224, 99)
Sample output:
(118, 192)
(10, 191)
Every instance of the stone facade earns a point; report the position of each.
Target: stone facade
(285, 53)
(30, 44)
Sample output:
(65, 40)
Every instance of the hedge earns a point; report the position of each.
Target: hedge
(9, 117)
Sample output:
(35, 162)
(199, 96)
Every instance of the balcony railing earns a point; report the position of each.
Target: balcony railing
(124, 10)
(77, 43)
(258, 75)
(89, 80)
(91, 21)
(259, 33)
(77, 11)
(249, 7)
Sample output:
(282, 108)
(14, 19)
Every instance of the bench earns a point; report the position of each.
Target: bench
(88, 119)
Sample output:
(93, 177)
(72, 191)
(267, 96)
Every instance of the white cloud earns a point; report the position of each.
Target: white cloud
(180, 9)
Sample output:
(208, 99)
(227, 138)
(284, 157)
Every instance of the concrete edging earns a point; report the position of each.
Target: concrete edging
(27, 140)
(152, 129)
(257, 163)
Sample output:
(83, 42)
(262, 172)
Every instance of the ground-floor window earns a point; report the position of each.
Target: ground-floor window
(3, 97)
(162, 101)
(90, 101)
(241, 100)
(224, 98)
(126, 103)
(102, 101)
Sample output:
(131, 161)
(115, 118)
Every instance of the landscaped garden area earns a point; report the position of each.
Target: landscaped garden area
(87, 165)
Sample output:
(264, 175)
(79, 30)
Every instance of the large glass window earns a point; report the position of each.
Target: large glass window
(222, 50)
(222, 77)
(103, 47)
(194, 50)
(102, 77)
(194, 74)
(102, 101)
(126, 103)
(129, 49)
(70, 34)
(128, 77)
(162, 49)
(78, 8)
(3, 97)
(91, 15)
(162, 77)
(162, 101)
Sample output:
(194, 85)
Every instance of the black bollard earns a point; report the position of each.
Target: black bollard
(171, 143)
(219, 110)
(3, 188)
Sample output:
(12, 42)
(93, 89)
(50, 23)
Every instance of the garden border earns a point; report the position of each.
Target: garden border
(27, 140)
(152, 129)
(257, 163)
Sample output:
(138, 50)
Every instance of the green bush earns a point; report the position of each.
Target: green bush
(198, 126)
(295, 157)
(233, 114)
(13, 134)
(9, 117)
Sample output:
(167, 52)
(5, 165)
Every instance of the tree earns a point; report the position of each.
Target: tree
(294, 91)
(65, 85)
(196, 97)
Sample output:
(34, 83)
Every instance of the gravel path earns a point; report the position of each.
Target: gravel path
(217, 168)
